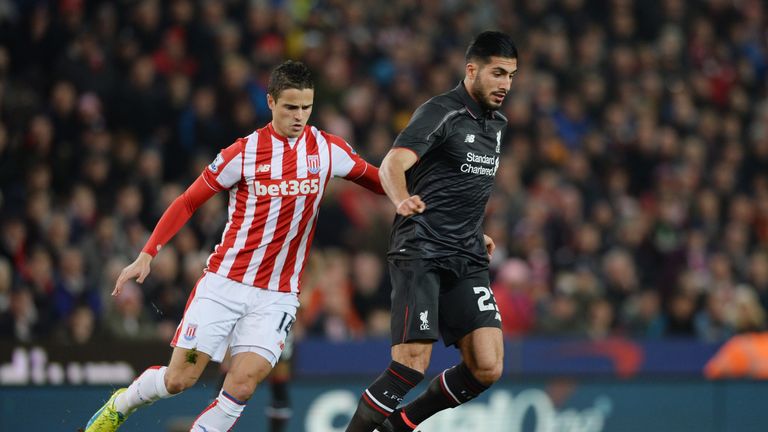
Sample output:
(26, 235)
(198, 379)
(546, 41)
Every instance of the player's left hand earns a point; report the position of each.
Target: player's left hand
(490, 246)
(137, 270)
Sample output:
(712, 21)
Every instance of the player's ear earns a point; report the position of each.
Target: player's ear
(471, 70)
(271, 102)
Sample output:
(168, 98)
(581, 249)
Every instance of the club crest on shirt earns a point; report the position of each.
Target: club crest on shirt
(190, 333)
(313, 164)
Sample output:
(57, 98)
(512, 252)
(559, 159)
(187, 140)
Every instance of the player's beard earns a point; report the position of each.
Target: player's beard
(483, 96)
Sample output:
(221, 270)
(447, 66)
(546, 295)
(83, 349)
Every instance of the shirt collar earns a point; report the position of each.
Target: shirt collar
(473, 107)
(289, 141)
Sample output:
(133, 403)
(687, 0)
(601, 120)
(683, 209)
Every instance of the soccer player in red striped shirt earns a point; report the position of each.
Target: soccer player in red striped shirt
(247, 298)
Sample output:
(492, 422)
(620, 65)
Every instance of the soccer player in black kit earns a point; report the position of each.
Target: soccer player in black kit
(439, 174)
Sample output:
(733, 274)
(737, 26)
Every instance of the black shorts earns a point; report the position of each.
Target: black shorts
(448, 297)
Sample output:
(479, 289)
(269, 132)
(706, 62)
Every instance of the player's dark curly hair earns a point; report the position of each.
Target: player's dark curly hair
(289, 75)
(491, 44)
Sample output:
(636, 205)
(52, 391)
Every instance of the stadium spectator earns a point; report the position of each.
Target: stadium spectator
(275, 178)
(129, 320)
(638, 127)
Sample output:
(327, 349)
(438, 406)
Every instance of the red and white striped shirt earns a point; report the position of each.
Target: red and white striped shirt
(275, 186)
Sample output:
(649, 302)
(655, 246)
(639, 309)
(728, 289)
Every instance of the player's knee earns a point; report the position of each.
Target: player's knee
(243, 384)
(179, 381)
(488, 373)
(242, 391)
(415, 356)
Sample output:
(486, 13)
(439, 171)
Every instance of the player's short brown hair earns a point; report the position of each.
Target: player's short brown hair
(289, 75)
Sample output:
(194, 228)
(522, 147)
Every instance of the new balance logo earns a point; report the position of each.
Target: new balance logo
(263, 168)
(424, 321)
(470, 138)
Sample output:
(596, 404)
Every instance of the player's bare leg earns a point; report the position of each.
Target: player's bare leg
(379, 400)
(157, 382)
(185, 369)
(247, 371)
(482, 352)
(415, 354)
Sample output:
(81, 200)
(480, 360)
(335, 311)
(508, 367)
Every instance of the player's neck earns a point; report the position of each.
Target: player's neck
(481, 109)
(283, 137)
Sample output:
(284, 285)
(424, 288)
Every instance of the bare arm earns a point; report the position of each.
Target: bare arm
(174, 217)
(392, 175)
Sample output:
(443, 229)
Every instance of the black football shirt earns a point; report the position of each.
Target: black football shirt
(458, 145)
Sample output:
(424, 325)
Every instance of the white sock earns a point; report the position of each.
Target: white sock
(220, 416)
(144, 390)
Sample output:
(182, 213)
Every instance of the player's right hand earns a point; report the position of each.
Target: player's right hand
(411, 206)
(138, 269)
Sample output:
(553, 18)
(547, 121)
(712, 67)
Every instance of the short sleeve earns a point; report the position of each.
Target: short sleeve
(424, 129)
(227, 169)
(345, 162)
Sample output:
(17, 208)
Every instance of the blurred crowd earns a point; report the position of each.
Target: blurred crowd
(632, 197)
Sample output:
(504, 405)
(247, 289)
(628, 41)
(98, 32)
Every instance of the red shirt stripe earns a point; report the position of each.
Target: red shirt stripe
(256, 230)
(284, 219)
(274, 200)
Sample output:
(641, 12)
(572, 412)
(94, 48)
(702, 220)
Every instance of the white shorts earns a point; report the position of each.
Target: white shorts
(222, 313)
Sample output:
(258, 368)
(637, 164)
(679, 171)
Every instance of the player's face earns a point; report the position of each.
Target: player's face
(290, 111)
(490, 82)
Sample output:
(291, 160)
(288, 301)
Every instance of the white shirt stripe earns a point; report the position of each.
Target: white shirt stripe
(250, 207)
(298, 208)
(322, 151)
(272, 217)
(244, 256)
(227, 227)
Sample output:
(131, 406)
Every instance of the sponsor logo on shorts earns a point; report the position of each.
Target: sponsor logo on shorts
(189, 334)
(424, 321)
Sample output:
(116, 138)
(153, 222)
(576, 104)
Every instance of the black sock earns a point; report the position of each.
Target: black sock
(451, 388)
(380, 399)
(279, 412)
